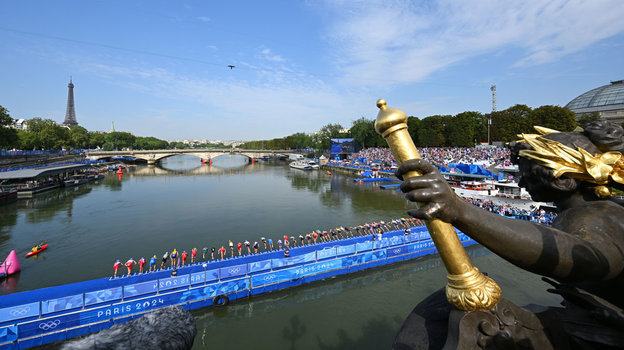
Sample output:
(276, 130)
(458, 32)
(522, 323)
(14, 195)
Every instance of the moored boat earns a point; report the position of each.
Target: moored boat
(300, 164)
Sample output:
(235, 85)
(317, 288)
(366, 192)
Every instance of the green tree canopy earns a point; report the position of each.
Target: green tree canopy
(8, 135)
(461, 129)
(431, 132)
(553, 117)
(120, 139)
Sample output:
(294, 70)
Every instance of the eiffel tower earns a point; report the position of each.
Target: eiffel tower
(70, 115)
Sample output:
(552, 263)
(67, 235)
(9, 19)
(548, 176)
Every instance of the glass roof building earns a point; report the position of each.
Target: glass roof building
(608, 100)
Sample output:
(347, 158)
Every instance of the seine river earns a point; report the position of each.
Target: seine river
(182, 205)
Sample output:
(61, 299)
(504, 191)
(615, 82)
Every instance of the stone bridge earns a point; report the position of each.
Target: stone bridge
(206, 154)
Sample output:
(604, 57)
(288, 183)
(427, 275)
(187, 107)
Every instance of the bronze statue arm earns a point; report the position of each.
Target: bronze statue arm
(541, 249)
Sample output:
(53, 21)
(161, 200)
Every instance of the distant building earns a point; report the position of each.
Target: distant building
(607, 100)
(70, 114)
(20, 124)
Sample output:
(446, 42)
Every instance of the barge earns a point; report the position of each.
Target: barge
(42, 316)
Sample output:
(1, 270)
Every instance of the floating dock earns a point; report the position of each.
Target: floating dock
(42, 316)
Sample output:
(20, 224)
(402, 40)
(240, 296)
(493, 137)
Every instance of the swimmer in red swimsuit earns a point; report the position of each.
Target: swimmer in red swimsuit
(184, 256)
(222, 252)
(193, 254)
(116, 266)
(141, 264)
(129, 265)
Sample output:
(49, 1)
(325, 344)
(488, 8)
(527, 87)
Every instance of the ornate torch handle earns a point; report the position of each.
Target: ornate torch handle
(467, 288)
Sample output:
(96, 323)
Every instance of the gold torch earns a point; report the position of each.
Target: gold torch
(467, 289)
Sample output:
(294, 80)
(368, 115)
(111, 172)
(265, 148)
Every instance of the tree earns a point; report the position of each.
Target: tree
(553, 117)
(328, 132)
(586, 118)
(78, 137)
(413, 125)
(300, 140)
(96, 139)
(45, 134)
(8, 135)
(120, 140)
(431, 132)
(506, 126)
(363, 132)
(460, 130)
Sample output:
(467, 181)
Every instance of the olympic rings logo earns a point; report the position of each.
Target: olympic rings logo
(269, 277)
(234, 270)
(20, 311)
(46, 326)
(397, 251)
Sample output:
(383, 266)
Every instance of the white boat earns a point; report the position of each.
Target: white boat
(500, 192)
(312, 164)
(301, 164)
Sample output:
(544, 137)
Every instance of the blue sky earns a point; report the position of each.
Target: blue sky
(159, 68)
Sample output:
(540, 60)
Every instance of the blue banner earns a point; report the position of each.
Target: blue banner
(259, 266)
(364, 258)
(102, 296)
(326, 253)
(19, 311)
(300, 259)
(50, 324)
(129, 307)
(198, 277)
(360, 247)
(394, 251)
(213, 290)
(414, 247)
(173, 282)
(295, 272)
(396, 240)
(8, 334)
(140, 289)
(212, 275)
(345, 249)
(61, 304)
(233, 271)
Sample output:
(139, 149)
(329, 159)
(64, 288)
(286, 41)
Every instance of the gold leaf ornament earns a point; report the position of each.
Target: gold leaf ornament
(578, 164)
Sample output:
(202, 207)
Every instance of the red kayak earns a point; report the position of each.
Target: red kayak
(35, 252)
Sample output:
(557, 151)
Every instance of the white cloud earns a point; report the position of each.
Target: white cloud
(406, 41)
(204, 19)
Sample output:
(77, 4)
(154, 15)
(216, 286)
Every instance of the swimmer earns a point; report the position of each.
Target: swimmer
(129, 265)
(174, 258)
(116, 266)
(204, 250)
(309, 238)
(286, 243)
(193, 254)
(293, 240)
(231, 244)
(164, 260)
(152, 263)
(301, 239)
(240, 248)
(256, 247)
(247, 245)
(141, 264)
(279, 243)
(222, 252)
(264, 242)
(314, 236)
(271, 243)
(184, 256)
(212, 251)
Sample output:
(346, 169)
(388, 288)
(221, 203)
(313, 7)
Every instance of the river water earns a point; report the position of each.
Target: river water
(181, 204)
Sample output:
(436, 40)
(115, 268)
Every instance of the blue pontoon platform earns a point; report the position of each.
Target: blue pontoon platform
(42, 316)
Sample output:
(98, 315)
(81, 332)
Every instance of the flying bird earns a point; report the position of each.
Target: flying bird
(231, 66)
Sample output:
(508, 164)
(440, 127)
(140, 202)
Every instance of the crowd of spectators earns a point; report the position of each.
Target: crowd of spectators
(442, 156)
(536, 215)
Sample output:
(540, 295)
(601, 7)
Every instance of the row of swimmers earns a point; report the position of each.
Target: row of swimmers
(177, 259)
